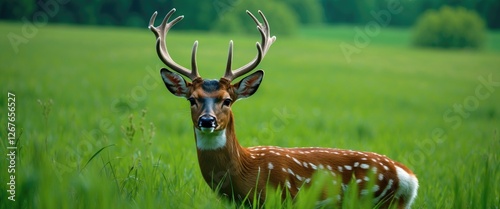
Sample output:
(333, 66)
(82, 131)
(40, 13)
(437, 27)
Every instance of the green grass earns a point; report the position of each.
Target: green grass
(85, 141)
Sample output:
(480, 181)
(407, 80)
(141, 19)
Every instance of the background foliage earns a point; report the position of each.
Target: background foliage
(450, 28)
(203, 13)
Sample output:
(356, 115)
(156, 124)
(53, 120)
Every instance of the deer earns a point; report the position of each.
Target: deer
(238, 172)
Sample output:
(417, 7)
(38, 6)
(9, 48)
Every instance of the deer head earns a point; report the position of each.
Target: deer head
(210, 99)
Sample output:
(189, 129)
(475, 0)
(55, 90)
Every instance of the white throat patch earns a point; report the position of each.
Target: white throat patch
(210, 140)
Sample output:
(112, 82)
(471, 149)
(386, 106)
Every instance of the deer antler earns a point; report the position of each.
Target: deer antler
(267, 40)
(161, 35)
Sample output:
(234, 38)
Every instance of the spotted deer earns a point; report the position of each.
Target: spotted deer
(239, 172)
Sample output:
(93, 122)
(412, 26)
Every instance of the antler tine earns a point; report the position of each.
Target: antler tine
(265, 30)
(161, 48)
(229, 59)
(194, 66)
(271, 39)
(266, 40)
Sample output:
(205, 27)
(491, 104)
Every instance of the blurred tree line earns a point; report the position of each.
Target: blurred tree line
(229, 15)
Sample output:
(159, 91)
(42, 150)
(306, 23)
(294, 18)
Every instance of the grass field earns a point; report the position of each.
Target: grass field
(96, 128)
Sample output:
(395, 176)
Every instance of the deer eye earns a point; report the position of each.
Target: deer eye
(226, 102)
(192, 101)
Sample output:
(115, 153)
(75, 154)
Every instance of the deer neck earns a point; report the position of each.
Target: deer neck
(220, 155)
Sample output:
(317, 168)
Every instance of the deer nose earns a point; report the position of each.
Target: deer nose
(207, 121)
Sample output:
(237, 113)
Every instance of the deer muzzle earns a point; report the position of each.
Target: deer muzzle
(207, 123)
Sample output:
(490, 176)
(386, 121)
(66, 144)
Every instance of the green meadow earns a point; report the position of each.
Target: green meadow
(96, 128)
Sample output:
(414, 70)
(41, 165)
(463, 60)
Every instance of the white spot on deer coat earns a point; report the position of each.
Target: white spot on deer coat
(313, 166)
(290, 171)
(364, 166)
(296, 161)
(270, 166)
(287, 184)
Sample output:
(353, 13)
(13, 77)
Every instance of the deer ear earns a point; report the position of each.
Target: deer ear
(248, 85)
(175, 83)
